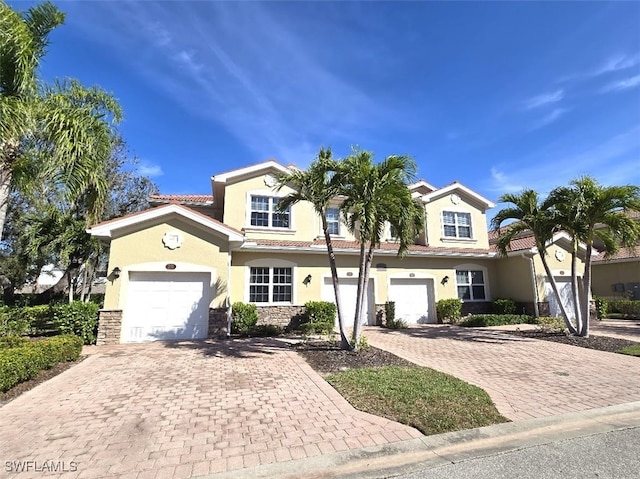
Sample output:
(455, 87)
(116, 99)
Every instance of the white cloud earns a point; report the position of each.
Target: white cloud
(544, 99)
(550, 118)
(617, 63)
(502, 183)
(149, 169)
(620, 85)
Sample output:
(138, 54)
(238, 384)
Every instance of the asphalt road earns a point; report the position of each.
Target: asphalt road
(609, 455)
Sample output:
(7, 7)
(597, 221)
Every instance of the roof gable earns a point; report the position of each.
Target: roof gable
(269, 166)
(106, 229)
(459, 188)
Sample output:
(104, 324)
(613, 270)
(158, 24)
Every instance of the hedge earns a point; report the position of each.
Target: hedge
(629, 309)
(24, 360)
(319, 317)
(76, 318)
(244, 317)
(482, 320)
(450, 309)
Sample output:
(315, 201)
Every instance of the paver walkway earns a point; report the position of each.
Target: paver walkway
(525, 377)
(177, 410)
(616, 328)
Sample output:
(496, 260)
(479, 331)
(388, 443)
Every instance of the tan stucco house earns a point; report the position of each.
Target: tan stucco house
(175, 269)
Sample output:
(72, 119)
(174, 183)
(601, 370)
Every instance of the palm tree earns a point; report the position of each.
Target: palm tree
(317, 185)
(61, 132)
(377, 195)
(531, 216)
(599, 212)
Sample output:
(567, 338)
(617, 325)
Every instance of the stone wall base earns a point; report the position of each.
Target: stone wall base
(109, 326)
(218, 323)
(476, 307)
(283, 316)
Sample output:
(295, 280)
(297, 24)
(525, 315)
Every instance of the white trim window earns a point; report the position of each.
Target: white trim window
(456, 224)
(333, 221)
(264, 213)
(270, 284)
(471, 285)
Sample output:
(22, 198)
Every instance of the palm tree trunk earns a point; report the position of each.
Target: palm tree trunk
(344, 342)
(554, 287)
(586, 292)
(5, 190)
(357, 323)
(574, 285)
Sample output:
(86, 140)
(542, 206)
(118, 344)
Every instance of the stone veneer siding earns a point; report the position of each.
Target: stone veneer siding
(280, 315)
(218, 323)
(476, 307)
(109, 326)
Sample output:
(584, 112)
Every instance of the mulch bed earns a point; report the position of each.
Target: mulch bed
(327, 358)
(599, 343)
(43, 376)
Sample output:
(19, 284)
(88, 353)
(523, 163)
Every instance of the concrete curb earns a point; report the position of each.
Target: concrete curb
(432, 451)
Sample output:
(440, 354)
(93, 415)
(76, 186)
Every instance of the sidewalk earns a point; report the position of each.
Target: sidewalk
(431, 451)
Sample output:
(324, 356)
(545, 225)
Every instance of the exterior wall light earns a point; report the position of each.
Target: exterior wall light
(116, 272)
(307, 280)
(445, 280)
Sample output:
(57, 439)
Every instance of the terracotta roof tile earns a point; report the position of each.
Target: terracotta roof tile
(354, 245)
(623, 253)
(182, 198)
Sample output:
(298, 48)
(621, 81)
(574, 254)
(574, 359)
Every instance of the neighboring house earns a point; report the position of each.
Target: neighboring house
(174, 270)
(618, 276)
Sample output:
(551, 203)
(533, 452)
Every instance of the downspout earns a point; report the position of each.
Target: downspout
(534, 281)
(228, 300)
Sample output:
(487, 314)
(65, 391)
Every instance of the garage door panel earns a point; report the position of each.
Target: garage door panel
(167, 306)
(413, 299)
(348, 294)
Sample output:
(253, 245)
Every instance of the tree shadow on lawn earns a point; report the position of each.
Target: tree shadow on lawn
(457, 333)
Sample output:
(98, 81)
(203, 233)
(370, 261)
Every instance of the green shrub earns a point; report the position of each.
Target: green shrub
(319, 317)
(23, 362)
(602, 307)
(265, 330)
(11, 325)
(244, 317)
(504, 306)
(77, 318)
(39, 319)
(449, 309)
(12, 341)
(550, 323)
(390, 317)
(483, 320)
(629, 309)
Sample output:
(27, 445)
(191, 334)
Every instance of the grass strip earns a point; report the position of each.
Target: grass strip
(430, 401)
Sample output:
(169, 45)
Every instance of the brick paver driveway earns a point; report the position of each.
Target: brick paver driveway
(525, 377)
(183, 409)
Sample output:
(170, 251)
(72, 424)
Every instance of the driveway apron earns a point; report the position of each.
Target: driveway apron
(525, 378)
(177, 410)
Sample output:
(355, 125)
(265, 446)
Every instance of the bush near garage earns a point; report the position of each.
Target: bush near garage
(483, 320)
(244, 317)
(390, 317)
(76, 318)
(504, 306)
(319, 317)
(624, 308)
(21, 359)
(449, 310)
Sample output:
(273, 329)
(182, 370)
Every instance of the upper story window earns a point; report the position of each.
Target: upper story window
(456, 225)
(471, 285)
(264, 213)
(333, 221)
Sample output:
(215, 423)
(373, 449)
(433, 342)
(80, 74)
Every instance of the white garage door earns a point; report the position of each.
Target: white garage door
(564, 288)
(348, 294)
(412, 298)
(166, 306)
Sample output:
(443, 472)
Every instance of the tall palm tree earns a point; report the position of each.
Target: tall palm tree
(317, 185)
(61, 132)
(599, 212)
(531, 216)
(377, 195)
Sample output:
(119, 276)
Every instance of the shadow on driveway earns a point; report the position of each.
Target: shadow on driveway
(457, 333)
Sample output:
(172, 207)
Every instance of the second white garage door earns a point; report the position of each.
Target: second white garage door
(166, 306)
(348, 293)
(413, 299)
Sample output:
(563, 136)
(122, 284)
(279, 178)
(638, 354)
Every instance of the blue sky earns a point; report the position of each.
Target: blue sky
(500, 96)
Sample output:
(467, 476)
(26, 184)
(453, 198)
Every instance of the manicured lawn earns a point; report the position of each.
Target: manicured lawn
(631, 350)
(430, 401)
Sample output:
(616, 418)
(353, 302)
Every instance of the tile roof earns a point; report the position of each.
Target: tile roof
(354, 245)
(623, 253)
(181, 198)
(522, 241)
